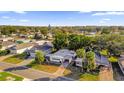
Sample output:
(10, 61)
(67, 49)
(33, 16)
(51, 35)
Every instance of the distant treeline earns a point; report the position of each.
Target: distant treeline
(7, 30)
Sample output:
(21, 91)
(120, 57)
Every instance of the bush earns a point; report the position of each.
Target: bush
(113, 59)
(104, 52)
(4, 52)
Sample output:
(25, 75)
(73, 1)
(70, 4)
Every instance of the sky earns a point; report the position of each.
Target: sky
(61, 18)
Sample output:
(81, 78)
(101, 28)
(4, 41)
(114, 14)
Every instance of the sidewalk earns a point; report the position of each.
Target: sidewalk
(25, 62)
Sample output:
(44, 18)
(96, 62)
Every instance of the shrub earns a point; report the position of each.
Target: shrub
(104, 52)
(113, 59)
(4, 52)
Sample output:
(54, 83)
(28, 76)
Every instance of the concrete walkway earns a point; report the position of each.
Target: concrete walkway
(61, 69)
(25, 62)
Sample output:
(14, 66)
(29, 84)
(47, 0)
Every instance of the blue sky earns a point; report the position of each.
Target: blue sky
(61, 18)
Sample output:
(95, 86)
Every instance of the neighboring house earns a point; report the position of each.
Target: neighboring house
(61, 56)
(102, 61)
(23, 40)
(6, 44)
(99, 61)
(49, 36)
(91, 33)
(6, 39)
(41, 42)
(46, 48)
(20, 48)
(79, 62)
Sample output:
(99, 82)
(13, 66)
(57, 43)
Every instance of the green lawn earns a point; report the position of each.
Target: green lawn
(13, 59)
(5, 76)
(45, 68)
(89, 77)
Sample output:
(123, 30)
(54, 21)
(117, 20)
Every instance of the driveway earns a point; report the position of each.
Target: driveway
(106, 74)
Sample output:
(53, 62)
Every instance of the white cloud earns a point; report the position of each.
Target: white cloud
(85, 11)
(107, 13)
(20, 12)
(5, 17)
(24, 20)
(104, 20)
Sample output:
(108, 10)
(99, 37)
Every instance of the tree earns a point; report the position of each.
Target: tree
(60, 41)
(104, 52)
(39, 58)
(81, 53)
(90, 60)
(105, 31)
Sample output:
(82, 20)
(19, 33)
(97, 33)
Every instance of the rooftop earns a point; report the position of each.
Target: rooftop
(6, 43)
(23, 45)
(64, 53)
(101, 60)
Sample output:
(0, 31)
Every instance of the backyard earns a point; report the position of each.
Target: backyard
(6, 76)
(75, 73)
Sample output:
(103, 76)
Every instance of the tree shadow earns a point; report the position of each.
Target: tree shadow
(16, 68)
(42, 79)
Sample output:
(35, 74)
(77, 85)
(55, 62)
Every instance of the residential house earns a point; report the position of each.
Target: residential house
(41, 42)
(23, 40)
(6, 44)
(93, 33)
(20, 48)
(46, 48)
(99, 61)
(6, 39)
(61, 56)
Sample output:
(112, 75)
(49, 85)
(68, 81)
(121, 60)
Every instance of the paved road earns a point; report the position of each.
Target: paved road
(28, 72)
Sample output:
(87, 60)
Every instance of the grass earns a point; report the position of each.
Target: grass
(5, 76)
(14, 59)
(44, 67)
(89, 77)
(50, 68)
